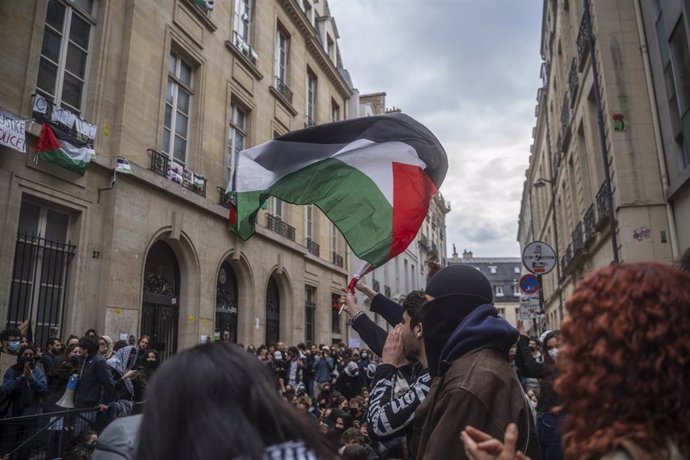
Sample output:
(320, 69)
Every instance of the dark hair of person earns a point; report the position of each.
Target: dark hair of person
(89, 345)
(120, 344)
(52, 340)
(355, 452)
(10, 332)
(72, 336)
(293, 350)
(68, 350)
(223, 404)
(91, 331)
(625, 361)
(412, 305)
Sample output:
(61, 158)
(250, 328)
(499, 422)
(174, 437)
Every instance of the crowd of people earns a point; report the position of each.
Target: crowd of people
(107, 380)
(451, 379)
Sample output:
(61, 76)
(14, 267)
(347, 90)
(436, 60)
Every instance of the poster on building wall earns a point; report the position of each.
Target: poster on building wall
(12, 131)
(529, 307)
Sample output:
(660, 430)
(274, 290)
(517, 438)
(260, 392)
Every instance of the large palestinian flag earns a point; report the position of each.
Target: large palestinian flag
(57, 147)
(373, 177)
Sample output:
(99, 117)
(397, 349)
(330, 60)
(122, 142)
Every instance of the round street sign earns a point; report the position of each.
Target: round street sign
(529, 284)
(539, 258)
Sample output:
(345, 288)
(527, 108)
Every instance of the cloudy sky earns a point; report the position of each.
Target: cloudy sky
(469, 71)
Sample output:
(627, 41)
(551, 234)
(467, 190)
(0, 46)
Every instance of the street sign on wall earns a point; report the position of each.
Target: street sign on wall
(539, 258)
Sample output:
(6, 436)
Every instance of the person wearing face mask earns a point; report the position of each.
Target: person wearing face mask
(10, 347)
(549, 422)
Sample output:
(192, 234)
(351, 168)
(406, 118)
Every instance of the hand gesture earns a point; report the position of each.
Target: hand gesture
(27, 370)
(521, 328)
(349, 302)
(482, 446)
(364, 289)
(393, 349)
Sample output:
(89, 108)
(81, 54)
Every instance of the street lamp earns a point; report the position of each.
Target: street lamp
(541, 183)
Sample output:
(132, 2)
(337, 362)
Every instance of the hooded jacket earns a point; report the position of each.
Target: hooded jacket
(476, 384)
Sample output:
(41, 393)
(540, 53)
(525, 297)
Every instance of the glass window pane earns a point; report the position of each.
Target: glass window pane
(51, 44)
(681, 65)
(185, 74)
(79, 31)
(239, 142)
(183, 101)
(56, 226)
(168, 115)
(85, 5)
(71, 91)
(166, 140)
(28, 218)
(179, 149)
(56, 14)
(76, 60)
(47, 74)
(240, 120)
(171, 91)
(172, 63)
(181, 124)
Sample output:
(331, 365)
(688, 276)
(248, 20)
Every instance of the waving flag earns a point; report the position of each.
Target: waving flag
(63, 151)
(373, 177)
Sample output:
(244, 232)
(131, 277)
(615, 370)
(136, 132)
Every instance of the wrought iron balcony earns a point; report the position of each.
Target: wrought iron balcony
(244, 48)
(283, 89)
(568, 256)
(603, 209)
(545, 72)
(573, 81)
(387, 291)
(564, 133)
(376, 286)
(277, 225)
(337, 259)
(163, 166)
(555, 161)
(590, 225)
(434, 247)
(312, 247)
(583, 39)
(424, 242)
(578, 241)
(223, 197)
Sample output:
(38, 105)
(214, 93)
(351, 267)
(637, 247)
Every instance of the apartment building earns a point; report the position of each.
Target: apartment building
(176, 88)
(594, 188)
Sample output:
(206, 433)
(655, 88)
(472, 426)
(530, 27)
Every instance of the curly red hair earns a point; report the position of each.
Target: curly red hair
(625, 361)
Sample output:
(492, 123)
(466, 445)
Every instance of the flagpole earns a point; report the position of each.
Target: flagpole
(363, 270)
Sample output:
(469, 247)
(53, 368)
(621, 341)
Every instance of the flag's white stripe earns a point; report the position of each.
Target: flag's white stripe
(77, 153)
(371, 158)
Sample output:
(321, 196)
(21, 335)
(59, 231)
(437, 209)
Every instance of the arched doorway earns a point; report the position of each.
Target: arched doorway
(160, 309)
(226, 304)
(272, 312)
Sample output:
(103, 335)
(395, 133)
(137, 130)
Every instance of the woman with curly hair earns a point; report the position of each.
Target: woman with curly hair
(625, 368)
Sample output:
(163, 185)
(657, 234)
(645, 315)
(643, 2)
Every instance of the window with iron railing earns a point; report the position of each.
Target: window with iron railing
(312, 247)
(177, 109)
(237, 135)
(282, 228)
(311, 98)
(281, 63)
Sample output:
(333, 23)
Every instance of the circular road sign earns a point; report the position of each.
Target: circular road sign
(529, 284)
(539, 258)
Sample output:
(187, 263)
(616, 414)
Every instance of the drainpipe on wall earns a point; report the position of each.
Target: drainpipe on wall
(670, 217)
(602, 135)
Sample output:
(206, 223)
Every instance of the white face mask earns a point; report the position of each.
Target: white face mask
(553, 353)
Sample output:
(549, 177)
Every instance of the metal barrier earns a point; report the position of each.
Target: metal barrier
(48, 435)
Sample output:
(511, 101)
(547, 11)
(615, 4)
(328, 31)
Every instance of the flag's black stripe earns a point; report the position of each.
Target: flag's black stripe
(321, 140)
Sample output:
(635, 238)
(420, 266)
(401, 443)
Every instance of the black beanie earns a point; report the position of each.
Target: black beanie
(460, 280)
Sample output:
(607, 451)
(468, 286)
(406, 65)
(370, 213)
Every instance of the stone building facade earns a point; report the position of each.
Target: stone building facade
(177, 91)
(594, 188)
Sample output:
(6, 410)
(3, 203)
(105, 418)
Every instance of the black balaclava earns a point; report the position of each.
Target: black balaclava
(457, 291)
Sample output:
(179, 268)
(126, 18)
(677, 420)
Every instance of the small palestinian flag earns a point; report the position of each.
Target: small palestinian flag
(56, 147)
(122, 166)
(373, 177)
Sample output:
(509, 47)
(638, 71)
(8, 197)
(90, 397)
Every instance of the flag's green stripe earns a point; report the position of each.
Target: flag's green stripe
(346, 195)
(60, 158)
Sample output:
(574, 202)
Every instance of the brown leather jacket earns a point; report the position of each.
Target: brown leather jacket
(479, 389)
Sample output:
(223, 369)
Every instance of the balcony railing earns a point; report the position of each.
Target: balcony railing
(578, 240)
(434, 247)
(277, 225)
(545, 71)
(161, 165)
(223, 197)
(564, 133)
(568, 256)
(312, 247)
(387, 291)
(337, 259)
(590, 225)
(573, 81)
(309, 122)
(283, 89)
(45, 111)
(603, 209)
(583, 39)
(244, 48)
(555, 161)
(424, 242)
(377, 286)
